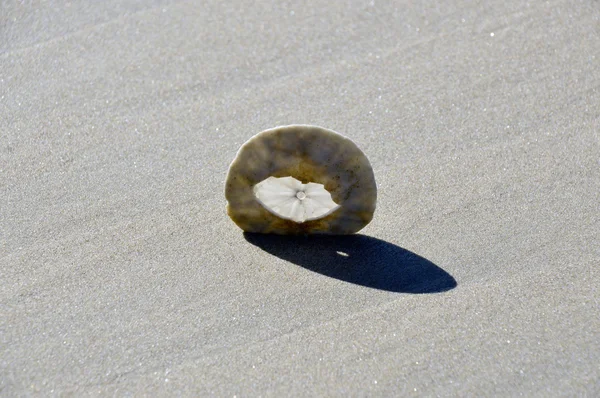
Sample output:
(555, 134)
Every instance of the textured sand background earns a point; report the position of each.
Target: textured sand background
(121, 273)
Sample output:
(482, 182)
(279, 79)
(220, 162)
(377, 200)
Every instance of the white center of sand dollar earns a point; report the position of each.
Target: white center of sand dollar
(288, 198)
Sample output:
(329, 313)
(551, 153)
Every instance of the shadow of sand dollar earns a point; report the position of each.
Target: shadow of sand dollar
(359, 259)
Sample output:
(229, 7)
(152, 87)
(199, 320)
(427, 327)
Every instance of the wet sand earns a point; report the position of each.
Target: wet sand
(122, 274)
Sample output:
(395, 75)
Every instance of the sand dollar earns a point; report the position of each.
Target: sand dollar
(300, 179)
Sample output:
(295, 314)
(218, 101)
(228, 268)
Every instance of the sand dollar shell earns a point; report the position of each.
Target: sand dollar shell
(300, 179)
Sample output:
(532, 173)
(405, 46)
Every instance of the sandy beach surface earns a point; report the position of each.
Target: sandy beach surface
(121, 273)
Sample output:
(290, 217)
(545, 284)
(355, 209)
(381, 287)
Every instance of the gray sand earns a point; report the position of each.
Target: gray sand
(121, 273)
